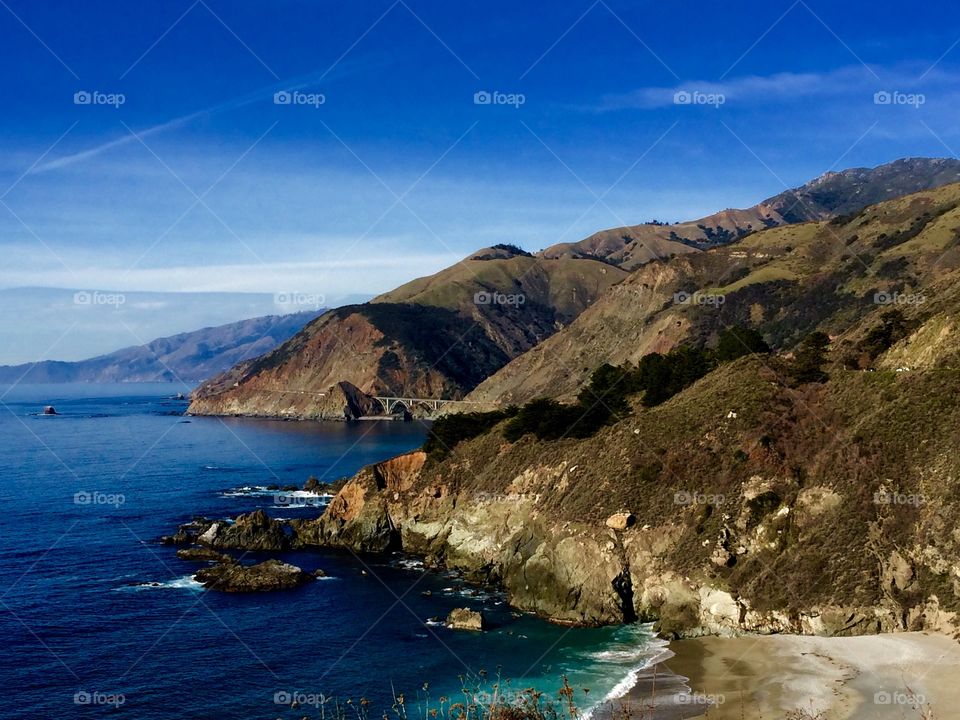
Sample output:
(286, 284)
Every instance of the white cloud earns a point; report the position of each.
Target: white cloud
(332, 278)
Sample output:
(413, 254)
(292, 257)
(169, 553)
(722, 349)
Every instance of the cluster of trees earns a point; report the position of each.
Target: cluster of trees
(449, 430)
(809, 359)
(605, 398)
(892, 328)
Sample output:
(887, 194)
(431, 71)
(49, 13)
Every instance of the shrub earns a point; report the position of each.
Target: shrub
(809, 359)
(449, 430)
(735, 342)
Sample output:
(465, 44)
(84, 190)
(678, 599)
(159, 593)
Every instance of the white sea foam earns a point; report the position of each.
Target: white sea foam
(410, 564)
(187, 582)
(281, 498)
(656, 651)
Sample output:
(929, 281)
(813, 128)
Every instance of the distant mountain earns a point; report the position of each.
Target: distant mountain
(504, 321)
(437, 336)
(830, 195)
(188, 357)
(839, 276)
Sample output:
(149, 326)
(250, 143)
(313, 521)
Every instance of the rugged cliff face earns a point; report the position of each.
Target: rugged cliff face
(329, 370)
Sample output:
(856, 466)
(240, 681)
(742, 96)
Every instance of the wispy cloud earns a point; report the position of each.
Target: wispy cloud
(259, 95)
(334, 277)
(855, 81)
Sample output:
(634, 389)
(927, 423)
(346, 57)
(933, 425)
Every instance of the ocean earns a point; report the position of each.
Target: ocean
(98, 617)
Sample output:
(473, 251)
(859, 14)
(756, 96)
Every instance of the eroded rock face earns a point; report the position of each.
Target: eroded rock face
(398, 474)
(607, 571)
(610, 571)
(356, 518)
(268, 575)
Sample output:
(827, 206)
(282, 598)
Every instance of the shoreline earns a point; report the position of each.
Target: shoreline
(867, 677)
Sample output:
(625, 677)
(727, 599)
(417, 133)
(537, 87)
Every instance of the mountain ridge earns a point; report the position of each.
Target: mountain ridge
(831, 193)
(191, 356)
(782, 281)
(436, 336)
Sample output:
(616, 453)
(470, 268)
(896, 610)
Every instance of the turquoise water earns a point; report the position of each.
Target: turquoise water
(83, 637)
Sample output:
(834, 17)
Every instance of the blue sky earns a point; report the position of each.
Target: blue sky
(200, 182)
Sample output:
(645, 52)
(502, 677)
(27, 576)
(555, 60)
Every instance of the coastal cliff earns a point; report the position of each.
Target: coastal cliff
(718, 512)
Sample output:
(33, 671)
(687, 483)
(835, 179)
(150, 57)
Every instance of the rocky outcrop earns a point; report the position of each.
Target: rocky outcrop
(253, 531)
(356, 518)
(202, 554)
(465, 619)
(398, 474)
(266, 576)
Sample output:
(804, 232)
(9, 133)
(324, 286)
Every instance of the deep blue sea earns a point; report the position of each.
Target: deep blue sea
(86, 494)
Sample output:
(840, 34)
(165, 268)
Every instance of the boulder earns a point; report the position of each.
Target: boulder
(621, 520)
(465, 619)
(230, 576)
(49, 410)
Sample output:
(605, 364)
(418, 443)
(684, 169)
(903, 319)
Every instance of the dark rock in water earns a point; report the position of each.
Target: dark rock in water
(50, 410)
(319, 573)
(187, 534)
(291, 488)
(312, 484)
(269, 575)
(253, 531)
(181, 537)
(202, 554)
(464, 619)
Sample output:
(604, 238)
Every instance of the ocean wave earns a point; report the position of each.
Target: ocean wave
(282, 498)
(187, 582)
(409, 563)
(658, 655)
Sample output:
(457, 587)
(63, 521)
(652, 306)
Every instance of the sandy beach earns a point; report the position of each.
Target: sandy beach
(877, 677)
